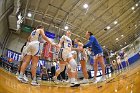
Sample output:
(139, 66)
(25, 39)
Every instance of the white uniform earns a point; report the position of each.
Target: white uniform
(66, 49)
(125, 57)
(34, 46)
(118, 59)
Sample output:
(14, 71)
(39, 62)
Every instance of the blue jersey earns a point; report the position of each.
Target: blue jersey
(95, 46)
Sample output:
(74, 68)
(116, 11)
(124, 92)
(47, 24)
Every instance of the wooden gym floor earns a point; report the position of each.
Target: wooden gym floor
(127, 81)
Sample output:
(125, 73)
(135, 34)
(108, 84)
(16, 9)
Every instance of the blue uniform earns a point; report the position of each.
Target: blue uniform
(95, 46)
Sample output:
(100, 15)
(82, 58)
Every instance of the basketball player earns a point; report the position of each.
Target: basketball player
(97, 54)
(67, 57)
(126, 59)
(118, 58)
(33, 53)
(114, 65)
(82, 56)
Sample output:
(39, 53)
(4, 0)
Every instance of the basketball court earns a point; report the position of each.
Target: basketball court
(69, 46)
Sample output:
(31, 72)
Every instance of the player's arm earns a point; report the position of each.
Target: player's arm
(61, 41)
(89, 43)
(29, 38)
(75, 49)
(79, 44)
(46, 38)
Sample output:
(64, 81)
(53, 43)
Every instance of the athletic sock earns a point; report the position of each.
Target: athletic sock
(34, 78)
(21, 75)
(72, 80)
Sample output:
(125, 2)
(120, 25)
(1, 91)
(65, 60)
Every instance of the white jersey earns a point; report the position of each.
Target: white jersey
(35, 35)
(67, 42)
(118, 59)
(126, 57)
(34, 47)
(65, 51)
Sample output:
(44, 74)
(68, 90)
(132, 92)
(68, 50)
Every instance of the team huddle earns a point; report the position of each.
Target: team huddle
(32, 51)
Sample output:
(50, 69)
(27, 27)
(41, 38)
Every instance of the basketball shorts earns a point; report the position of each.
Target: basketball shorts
(34, 48)
(96, 55)
(64, 54)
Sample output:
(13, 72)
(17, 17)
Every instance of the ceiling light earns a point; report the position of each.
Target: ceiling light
(137, 4)
(108, 27)
(104, 46)
(115, 22)
(85, 6)
(131, 91)
(122, 35)
(116, 90)
(133, 8)
(117, 39)
(120, 45)
(66, 27)
(125, 43)
(29, 15)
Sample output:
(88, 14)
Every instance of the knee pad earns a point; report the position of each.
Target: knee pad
(69, 55)
(73, 65)
(73, 53)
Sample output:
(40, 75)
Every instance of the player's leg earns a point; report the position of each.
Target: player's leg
(33, 70)
(68, 71)
(19, 67)
(73, 71)
(100, 59)
(25, 63)
(58, 71)
(84, 70)
(95, 66)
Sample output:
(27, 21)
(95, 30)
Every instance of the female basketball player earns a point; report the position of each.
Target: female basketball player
(118, 58)
(82, 56)
(126, 59)
(33, 53)
(23, 53)
(114, 65)
(67, 57)
(97, 54)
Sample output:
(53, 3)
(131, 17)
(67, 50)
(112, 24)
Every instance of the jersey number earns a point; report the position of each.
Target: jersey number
(33, 33)
(69, 44)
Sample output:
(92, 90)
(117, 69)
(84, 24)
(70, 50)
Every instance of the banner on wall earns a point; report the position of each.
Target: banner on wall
(47, 51)
(50, 35)
(16, 57)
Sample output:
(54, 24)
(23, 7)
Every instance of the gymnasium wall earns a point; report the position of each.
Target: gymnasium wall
(134, 47)
(16, 41)
(5, 8)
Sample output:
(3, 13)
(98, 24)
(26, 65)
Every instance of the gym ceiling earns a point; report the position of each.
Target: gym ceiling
(115, 23)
